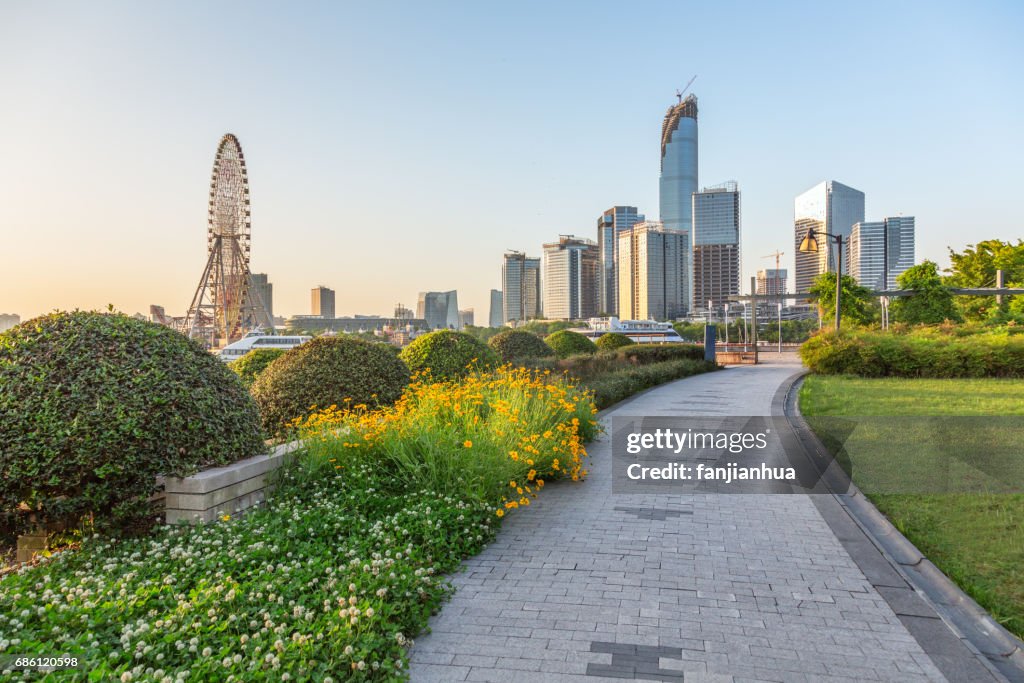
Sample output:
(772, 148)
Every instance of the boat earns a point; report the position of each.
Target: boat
(640, 331)
(257, 339)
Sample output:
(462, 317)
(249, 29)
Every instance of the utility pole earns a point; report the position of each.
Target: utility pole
(753, 314)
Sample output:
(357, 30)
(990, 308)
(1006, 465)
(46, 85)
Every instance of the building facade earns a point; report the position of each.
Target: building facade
(828, 207)
(9, 320)
(497, 314)
(439, 309)
(263, 291)
(716, 246)
(520, 287)
(570, 278)
(653, 272)
(322, 303)
(880, 251)
(772, 281)
(678, 180)
(466, 317)
(610, 224)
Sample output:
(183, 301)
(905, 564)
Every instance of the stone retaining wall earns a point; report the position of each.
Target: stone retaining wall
(231, 489)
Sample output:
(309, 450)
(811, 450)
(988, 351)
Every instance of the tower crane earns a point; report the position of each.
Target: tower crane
(680, 93)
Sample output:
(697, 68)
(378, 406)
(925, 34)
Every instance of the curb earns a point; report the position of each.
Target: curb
(998, 648)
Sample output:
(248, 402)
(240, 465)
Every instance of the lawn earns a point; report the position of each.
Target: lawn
(949, 481)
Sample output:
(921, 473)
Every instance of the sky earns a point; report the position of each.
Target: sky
(398, 147)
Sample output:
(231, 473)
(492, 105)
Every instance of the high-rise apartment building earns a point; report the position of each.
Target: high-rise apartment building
(497, 315)
(263, 291)
(880, 251)
(466, 317)
(653, 268)
(520, 287)
(828, 207)
(323, 302)
(716, 245)
(571, 267)
(678, 181)
(611, 223)
(772, 281)
(439, 309)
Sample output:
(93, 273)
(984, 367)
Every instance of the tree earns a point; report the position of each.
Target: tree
(858, 306)
(976, 266)
(932, 302)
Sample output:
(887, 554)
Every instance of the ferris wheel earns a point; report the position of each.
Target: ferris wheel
(226, 305)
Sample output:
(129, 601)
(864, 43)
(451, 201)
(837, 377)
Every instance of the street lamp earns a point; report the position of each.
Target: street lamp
(809, 245)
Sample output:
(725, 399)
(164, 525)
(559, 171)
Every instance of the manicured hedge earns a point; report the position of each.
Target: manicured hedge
(341, 370)
(566, 343)
(610, 341)
(447, 354)
(923, 354)
(615, 386)
(518, 345)
(94, 406)
(249, 366)
(642, 354)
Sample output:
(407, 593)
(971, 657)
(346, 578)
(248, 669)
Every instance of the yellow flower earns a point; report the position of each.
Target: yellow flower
(467, 444)
(512, 484)
(500, 513)
(225, 518)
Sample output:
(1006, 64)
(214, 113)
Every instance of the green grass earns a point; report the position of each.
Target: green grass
(970, 531)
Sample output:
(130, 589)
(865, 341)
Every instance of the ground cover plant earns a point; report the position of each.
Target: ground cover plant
(93, 406)
(977, 538)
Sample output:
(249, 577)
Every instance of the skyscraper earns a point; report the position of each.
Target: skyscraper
(520, 287)
(653, 263)
(466, 317)
(264, 290)
(323, 302)
(716, 245)
(497, 316)
(829, 207)
(571, 268)
(771, 281)
(609, 225)
(679, 178)
(880, 251)
(439, 309)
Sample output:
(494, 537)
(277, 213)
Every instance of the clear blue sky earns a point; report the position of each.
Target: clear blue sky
(397, 147)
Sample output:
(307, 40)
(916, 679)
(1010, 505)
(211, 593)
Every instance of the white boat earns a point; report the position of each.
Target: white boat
(258, 340)
(640, 331)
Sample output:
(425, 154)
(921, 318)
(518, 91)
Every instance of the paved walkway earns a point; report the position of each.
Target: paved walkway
(586, 586)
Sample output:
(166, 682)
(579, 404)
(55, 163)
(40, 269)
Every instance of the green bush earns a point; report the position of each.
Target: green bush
(613, 340)
(448, 354)
(615, 386)
(918, 353)
(249, 366)
(642, 354)
(94, 406)
(326, 371)
(566, 343)
(516, 345)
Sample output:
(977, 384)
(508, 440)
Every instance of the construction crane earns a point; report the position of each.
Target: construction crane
(680, 93)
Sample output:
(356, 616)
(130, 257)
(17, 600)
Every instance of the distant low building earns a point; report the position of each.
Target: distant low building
(466, 317)
(316, 324)
(439, 309)
(9, 320)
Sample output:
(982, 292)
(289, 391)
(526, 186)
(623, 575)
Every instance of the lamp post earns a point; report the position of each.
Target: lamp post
(810, 245)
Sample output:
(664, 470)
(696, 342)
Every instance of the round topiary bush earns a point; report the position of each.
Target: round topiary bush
(565, 343)
(519, 345)
(94, 406)
(448, 355)
(613, 340)
(328, 371)
(249, 366)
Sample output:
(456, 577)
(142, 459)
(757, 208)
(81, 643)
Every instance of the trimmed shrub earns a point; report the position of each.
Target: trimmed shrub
(615, 386)
(642, 354)
(94, 406)
(447, 354)
(249, 366)
(613, 340)
(566, 343)
(516, 345)
(341, 371)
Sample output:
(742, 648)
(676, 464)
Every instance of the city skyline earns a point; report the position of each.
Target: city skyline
(107, 153)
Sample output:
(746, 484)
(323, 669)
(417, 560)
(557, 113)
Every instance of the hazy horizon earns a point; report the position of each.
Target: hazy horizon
(403, 148)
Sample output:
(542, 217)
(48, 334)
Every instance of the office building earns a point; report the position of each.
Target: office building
(880, 251)
(716, 246)
(571, 267)
(439, 309)
(263, 293)
(828, 207)
(653, 269)
(611, 223)
(678, 180)
(520, 287)
(466, 317)
(9, 320)
(771, 281)
(323, 302)
(497, 314)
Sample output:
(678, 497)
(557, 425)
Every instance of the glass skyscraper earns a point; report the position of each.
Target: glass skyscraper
(520, 287)
(828, 207)
(611, 223)
(880, 251)
(439, 309)
(570, 278)
(716, 246)
(679, 178)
